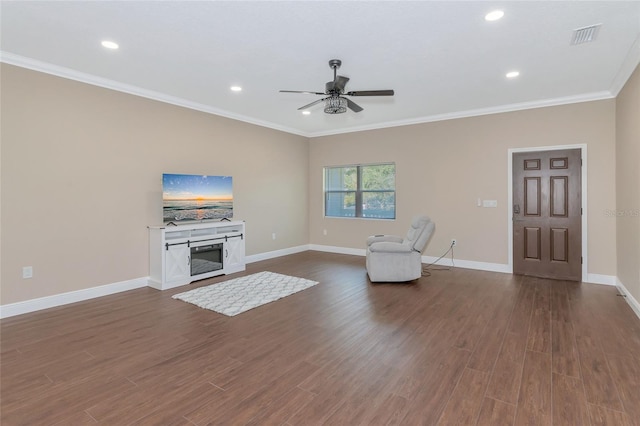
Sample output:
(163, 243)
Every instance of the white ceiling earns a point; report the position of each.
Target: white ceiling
(442, 58)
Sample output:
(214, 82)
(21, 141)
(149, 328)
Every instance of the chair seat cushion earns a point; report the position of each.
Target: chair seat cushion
(390, 247)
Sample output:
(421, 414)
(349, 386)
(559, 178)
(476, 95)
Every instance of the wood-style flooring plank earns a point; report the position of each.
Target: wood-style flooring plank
(79, 419)
(490, 342)
(389, 412)
(365, 395)
(569, 402)
(559, 300)
(564, 350)
(65, 400)
(456, 347)
(252, 397)
(539, 337)
(496, 413)
(283, 409)
(465, 403)
(141, 405)
(600, 388)
(507, 373)
(534, 401)
(601, 416)
(625, 372)
(427, 405)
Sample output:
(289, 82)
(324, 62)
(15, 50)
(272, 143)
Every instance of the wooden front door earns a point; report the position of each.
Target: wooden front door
(547, 214)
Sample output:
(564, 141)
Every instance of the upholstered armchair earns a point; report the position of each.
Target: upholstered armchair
(392, 258)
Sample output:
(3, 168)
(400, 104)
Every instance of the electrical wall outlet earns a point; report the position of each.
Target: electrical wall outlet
(454, 242)
(273, 235)
(27, 272)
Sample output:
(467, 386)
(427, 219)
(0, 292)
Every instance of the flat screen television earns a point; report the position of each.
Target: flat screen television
(196, 197)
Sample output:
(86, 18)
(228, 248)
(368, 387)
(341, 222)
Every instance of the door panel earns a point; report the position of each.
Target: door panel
(533, 196)
(532, 243)
(559, 245)
(559, 196)
(547, 214)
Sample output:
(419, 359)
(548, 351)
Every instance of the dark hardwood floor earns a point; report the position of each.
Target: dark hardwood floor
(458, 347)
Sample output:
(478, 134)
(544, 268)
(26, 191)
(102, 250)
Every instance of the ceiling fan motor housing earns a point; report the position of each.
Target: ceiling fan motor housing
(335, 103)
(335, 63)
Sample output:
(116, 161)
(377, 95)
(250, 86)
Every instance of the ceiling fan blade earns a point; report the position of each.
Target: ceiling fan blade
(371, 93)
(340, 82)
(301, 91)
(353, 106)
(312, 103)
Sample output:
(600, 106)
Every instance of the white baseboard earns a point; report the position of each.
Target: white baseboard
(338, 250)
(460, 263)
(47, 302)
(27, 306)
(468, 264)
(635, 306)
(276, 253)
(600, 279)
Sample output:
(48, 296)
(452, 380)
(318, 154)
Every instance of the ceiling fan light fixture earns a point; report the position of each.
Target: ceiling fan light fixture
(335, 102)
(335, 105)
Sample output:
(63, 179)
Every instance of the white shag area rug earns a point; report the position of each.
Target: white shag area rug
(241, 294)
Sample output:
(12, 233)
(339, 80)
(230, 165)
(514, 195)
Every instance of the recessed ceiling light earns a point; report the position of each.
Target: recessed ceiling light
(109, 44)
(236, 89)
(306, 112)
(494, 16)
(512, 74)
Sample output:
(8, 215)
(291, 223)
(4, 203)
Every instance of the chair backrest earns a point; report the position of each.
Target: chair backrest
(419, 233)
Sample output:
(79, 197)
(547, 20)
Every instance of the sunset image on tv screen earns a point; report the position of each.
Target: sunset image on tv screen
(196, 197)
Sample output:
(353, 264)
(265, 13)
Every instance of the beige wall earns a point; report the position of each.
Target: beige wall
(627, 215)
(442, 168)
(81, 166)
(81, 174)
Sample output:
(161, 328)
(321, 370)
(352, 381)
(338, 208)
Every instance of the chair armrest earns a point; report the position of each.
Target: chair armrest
(383, 238)
(389, 247)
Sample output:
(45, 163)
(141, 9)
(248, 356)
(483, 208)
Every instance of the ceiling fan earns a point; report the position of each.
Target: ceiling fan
(335, 102)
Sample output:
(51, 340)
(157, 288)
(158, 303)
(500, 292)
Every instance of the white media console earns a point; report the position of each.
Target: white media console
(184, 253)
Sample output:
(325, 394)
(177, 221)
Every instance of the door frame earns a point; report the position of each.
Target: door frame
(583, 189)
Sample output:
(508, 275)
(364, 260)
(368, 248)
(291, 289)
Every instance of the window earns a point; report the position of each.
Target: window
(367, 191)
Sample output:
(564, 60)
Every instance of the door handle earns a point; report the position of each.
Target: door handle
(516, 209)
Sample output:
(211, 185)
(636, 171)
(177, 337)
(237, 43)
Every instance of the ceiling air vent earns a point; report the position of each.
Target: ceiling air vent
(585, 34)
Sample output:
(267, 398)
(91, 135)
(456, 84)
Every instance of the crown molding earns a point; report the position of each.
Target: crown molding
(629, 66)
(68, 73)
(587, 97)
